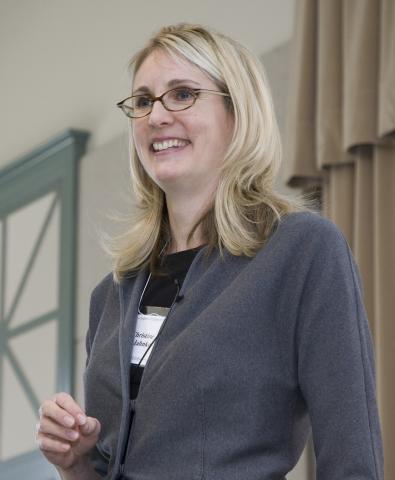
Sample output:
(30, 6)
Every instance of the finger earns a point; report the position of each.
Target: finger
(48, 444)
(67, 403)
(48, 427)
(50, 409)
(91, 427)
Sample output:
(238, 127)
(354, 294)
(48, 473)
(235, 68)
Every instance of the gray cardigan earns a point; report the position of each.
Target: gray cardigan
(257, 353)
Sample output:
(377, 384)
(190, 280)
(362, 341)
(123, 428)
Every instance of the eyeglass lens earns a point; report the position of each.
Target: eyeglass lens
(175, 99)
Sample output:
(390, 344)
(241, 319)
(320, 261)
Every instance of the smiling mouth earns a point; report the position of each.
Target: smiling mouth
(173, 143)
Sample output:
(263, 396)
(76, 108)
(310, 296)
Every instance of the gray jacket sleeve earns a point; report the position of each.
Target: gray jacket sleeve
(336, 365)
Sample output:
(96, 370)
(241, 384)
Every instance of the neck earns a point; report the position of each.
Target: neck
(182, 217)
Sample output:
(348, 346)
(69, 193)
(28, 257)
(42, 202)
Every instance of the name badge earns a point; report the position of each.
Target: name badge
(147, 328)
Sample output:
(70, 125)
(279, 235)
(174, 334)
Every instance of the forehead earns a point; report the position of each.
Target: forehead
(160, 69)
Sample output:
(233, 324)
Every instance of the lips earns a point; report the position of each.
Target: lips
(159, 145)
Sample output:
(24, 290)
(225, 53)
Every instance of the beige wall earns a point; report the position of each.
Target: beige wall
(63, 62)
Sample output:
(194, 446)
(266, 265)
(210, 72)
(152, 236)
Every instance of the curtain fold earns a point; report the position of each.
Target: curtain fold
(341, 137)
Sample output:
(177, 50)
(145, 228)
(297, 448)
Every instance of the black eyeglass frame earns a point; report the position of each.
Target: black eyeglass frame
(194, 91)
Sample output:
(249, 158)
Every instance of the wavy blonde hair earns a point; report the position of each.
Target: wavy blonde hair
(246, 207)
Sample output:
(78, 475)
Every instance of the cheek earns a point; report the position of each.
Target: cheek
(220, 140)
(138, 131)
(140, 152)
(138, 141)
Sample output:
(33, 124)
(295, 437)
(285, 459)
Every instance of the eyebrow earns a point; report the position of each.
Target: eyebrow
(170, 84)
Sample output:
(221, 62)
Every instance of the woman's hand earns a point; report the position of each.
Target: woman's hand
(65, 434)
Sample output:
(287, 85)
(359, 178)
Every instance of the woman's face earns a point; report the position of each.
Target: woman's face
(202, 133)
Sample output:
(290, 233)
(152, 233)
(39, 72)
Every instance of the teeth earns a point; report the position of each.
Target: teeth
(158, 146)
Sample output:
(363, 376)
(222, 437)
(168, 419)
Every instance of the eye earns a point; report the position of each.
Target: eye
(141, 101)
(183, 94)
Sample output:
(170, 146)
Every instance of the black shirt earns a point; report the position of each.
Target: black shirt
(161, 291)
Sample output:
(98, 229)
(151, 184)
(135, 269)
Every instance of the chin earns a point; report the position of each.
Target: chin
(176, 184)
(164, 179)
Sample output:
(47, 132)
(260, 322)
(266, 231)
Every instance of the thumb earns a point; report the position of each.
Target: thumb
(90, 427)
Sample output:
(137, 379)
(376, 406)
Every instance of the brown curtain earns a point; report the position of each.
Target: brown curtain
(341, 139)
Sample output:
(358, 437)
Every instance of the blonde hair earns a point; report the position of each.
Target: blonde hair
(246, 207)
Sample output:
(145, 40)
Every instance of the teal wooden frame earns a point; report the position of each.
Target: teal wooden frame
(52, 167)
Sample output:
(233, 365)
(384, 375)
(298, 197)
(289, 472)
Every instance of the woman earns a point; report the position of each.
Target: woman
(233, 323)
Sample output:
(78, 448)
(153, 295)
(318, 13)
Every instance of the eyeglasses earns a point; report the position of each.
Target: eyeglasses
(173, 100)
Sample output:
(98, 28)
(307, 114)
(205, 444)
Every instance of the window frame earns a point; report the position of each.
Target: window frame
(53, 167)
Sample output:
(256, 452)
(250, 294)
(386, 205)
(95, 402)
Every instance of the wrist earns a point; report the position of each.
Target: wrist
(80, 470)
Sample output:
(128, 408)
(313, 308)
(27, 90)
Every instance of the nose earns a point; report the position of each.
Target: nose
(159, 115)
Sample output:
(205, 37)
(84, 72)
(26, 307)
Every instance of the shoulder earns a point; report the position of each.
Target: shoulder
(310, 230)
(308, 223)
(107, 291)
(318, 244)
(105, 284)
(106, 288)
(301, 240)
